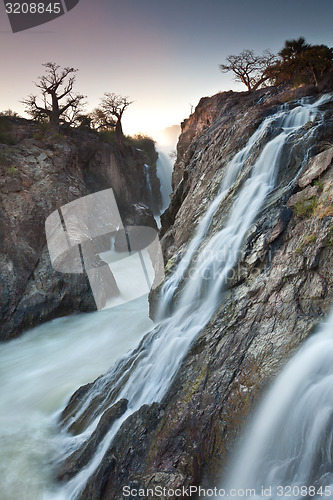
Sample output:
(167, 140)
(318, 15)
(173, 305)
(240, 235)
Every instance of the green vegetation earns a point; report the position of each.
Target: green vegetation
(109, 115)
(12, 170)
(301, 63)
(311, 238)
(108, 136)
(5, 132)
(298, 63)
(318, 182)
(6, 160)
(10, 113)
(142, 142)
(146, 144)
(325, 208)
(314, 207)
(305, 208)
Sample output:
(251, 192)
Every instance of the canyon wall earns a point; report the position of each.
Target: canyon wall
(38, 176)
(275, 296)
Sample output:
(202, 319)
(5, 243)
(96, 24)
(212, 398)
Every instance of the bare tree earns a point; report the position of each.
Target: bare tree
(113, 107)
(59, 102)
(99, 120)
(250, 69)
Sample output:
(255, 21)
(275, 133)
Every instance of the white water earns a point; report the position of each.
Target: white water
(149, 186)
(154, 366)
(300, 115)
(290, 441)
(39, 372)
(164, 173)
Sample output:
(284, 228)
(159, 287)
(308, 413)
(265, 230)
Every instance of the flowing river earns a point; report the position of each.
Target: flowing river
(42, 369)
(287, 450)
(38, 373)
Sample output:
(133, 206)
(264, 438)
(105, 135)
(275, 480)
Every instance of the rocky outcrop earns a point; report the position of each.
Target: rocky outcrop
(280, 289)
(39, 175)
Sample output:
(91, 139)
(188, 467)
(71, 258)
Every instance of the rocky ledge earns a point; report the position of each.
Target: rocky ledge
(278, 292)
(38, 176)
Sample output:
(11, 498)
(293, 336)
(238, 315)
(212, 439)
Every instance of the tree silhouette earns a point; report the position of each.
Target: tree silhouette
(302, 63)
(100, 121)
(250, 69)
(59, 102)
(111, 111)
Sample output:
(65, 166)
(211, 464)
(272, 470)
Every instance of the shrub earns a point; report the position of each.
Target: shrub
(146, 144)
(108, 136)
(305, 208)
(5, 129)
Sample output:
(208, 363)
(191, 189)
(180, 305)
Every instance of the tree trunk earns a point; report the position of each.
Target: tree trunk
(55, 116)
(314, 75)
(119, 133)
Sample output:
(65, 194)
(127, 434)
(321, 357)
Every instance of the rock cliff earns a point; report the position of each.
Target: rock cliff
(280, 289)
(39, 175)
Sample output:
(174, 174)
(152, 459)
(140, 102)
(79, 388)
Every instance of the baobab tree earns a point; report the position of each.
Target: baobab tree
(250, 69)
(100, 122)
(111, 111)
(58, 100)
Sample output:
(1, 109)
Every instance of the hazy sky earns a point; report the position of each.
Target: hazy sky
(163, 54)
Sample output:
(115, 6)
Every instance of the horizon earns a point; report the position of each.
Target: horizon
(163, 55)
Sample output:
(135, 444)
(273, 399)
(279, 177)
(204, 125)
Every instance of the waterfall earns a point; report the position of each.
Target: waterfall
(164, 173)
(39, 372)
(149, 187)
(155, 362)
(282, 121)
(289, 445)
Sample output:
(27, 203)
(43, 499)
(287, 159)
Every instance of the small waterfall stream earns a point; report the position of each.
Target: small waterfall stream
(34, 379)
(164, 173)
(288, 448)
(149, 186)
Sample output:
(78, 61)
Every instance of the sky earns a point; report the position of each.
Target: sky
(163, 54)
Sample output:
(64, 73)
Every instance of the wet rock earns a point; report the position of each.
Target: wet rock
(280, 289)
(138, 214)
(126, 452)
(38, 176)
(304, 195)
(80, 458)
(316, 167)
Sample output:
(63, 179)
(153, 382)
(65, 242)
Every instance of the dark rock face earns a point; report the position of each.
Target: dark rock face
(122, 169)
(38, 176)
(280, 289)
(80, 458)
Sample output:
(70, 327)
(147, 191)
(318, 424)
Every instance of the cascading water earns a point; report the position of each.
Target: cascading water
(149, 186)
(154, 364)
(288, 450)
(164, 173)
(38, 373)
(282, 121)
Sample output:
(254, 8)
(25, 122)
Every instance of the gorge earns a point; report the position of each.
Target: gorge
(247, 243)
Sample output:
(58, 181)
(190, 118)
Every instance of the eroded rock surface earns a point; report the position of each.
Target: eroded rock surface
(38, 176)
(280, 289)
